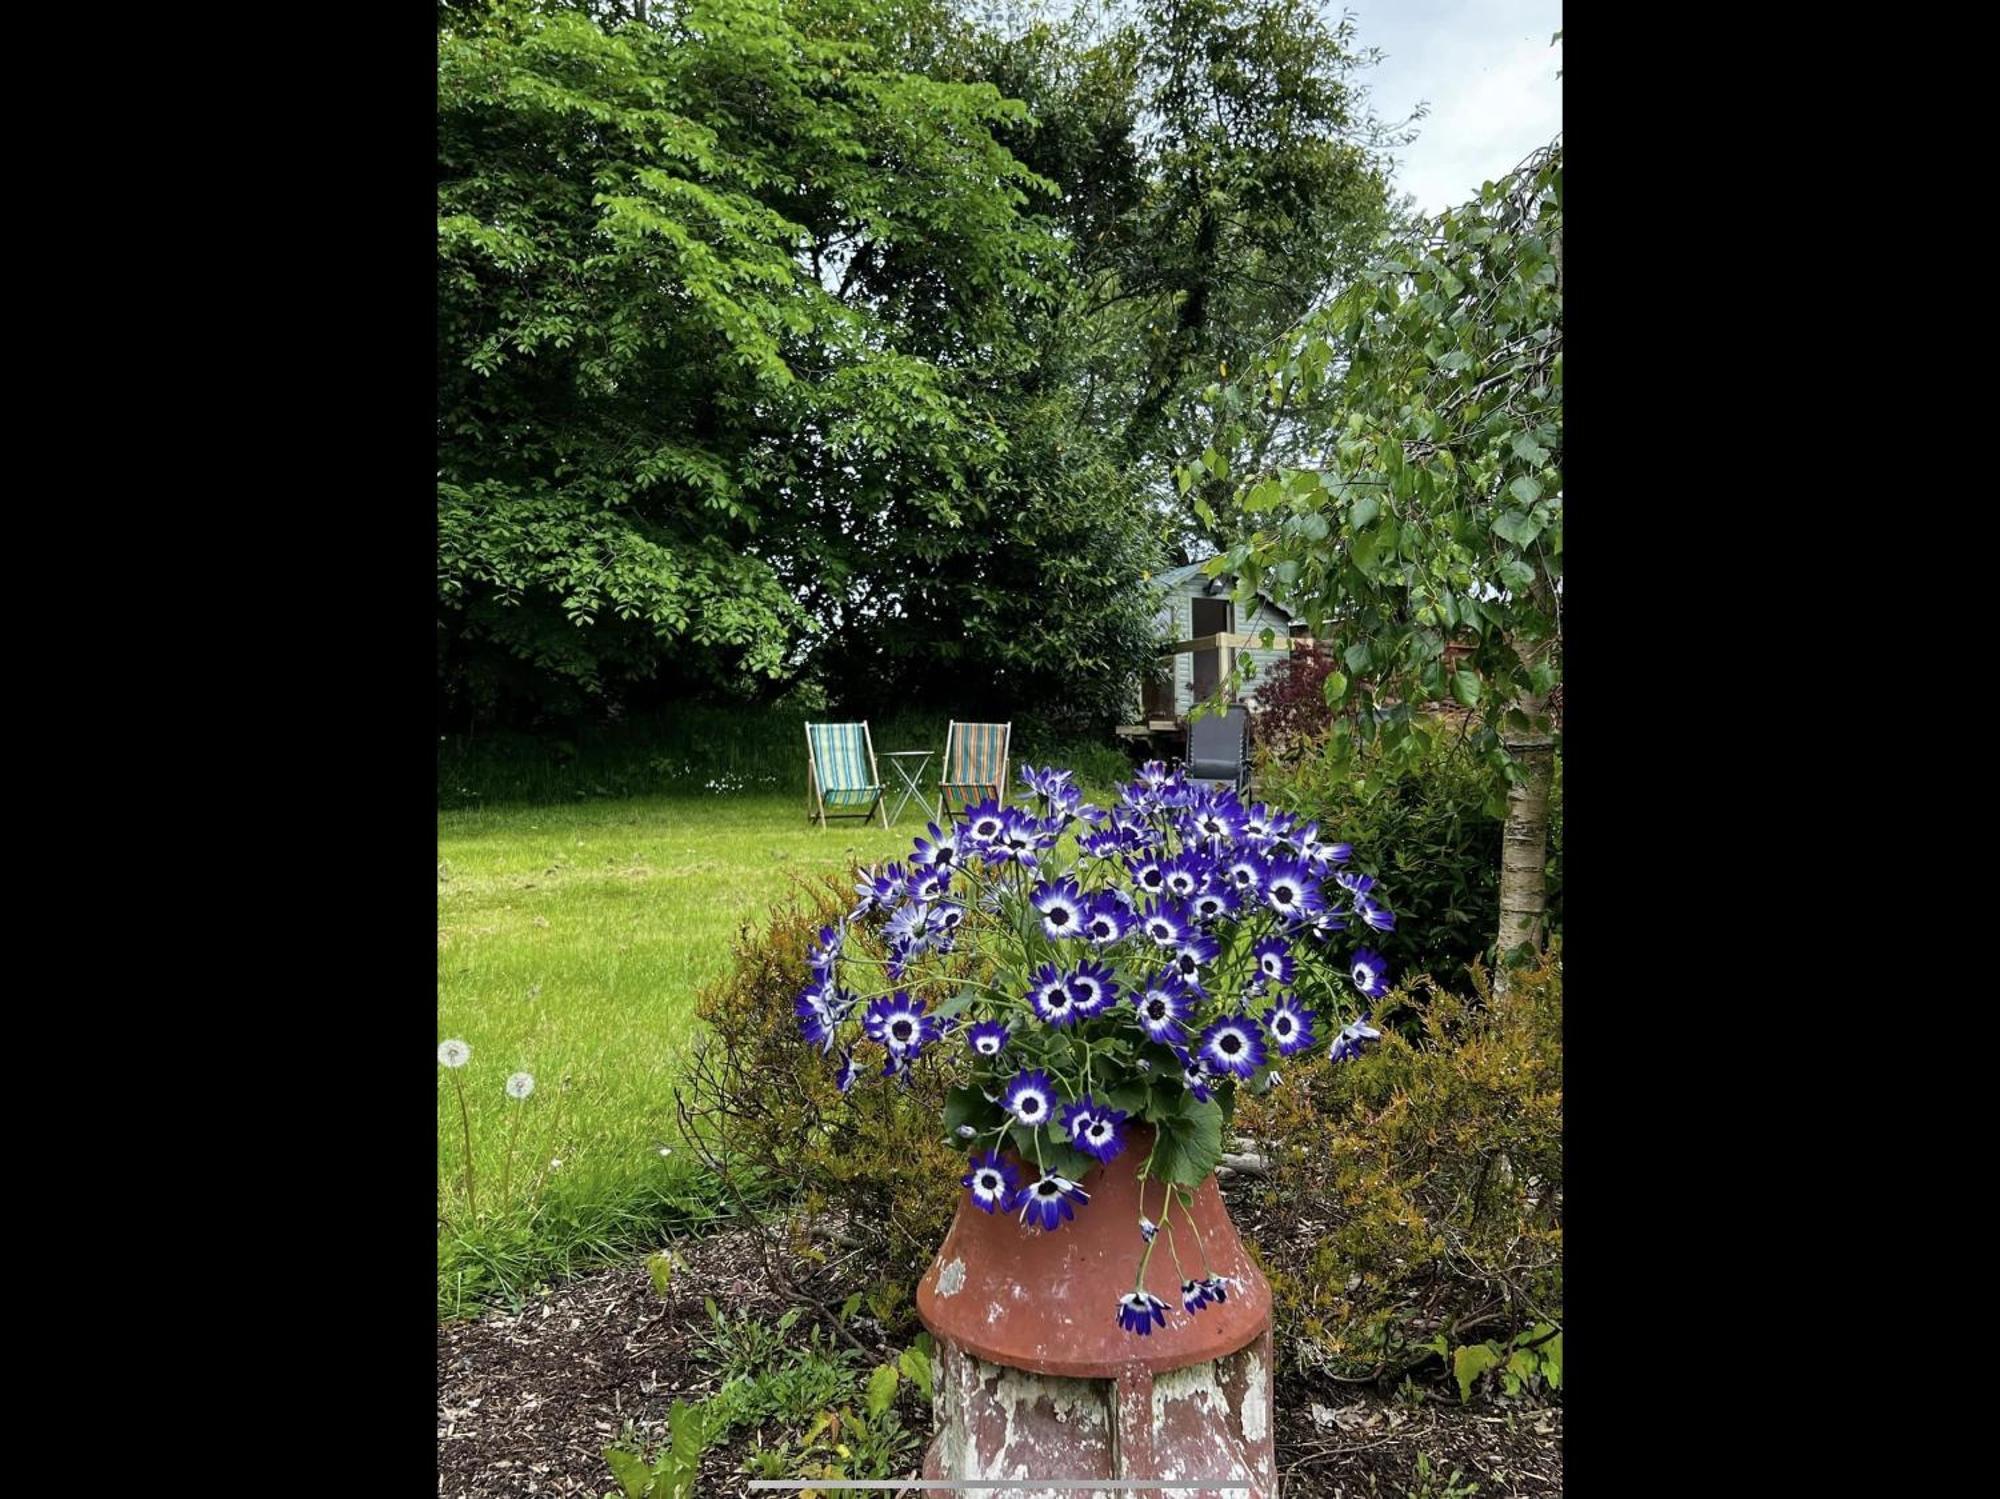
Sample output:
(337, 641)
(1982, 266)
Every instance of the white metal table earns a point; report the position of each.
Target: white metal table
(909, 766)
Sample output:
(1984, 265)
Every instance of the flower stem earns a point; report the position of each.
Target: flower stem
(465, 1121)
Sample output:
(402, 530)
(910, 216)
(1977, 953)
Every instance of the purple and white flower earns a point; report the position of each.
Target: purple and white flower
(1161, 1009)
(900, 1024)
(1063, 908)
(1290, 1025)
(1049, 994)
(988, 1038)
(1141, 1312)
(940, 850)
(1274, 960)
(1094, 1128)
(1031, 1098)
(1106, 922)
(1370, 973)
(1234, 1045)
(1092, 990)
(1046, 1201)
(991, 1181)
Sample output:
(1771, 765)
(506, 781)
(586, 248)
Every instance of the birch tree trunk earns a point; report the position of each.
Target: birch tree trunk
(1524, 842)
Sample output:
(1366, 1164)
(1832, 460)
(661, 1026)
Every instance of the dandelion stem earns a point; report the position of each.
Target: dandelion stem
(507, 1168)
(465, 1120)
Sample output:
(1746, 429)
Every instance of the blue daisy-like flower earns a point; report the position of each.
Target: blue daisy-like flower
(929, 884)
(900, 1024)
(1148, 874)
(1216, 1287)
(1046, 1202)
(1246, 873)
(1019, 836)
(1234, 1044)
(1191, 957)
(1218, 819)
(1164, 923)
(1376, 915)
(940, 850)
(1257, 824)
(1063, 908)
(1291, 891)
(988, 1038)
(1102, 847)
(1194, 1075)
(825, 954)
(1106, 921)
(1351, 1039)
(1094, 1128)
(1290, 1025)
(907, 928)
(821, 1008)
(1030, 1097)
(1215, 903)
(1049, 994)
(1326, 923)
(1187, 873)
(1141, 1312)
(991, 1181)
(1274, 960)
(1092, 990)
(982, 823)
(1370, 973)
(1194, 1295)
(1147, 1228)
(850, 1069)
(1161, 1009)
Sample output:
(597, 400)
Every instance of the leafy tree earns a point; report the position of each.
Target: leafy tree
(1430, 512)
(692, 269)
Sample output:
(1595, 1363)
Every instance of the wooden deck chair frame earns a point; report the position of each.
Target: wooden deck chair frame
(997, 786)
(815, 801)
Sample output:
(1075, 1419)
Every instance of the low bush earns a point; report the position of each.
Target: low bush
(764, 1105)
(1430, 830)
(1414, 1207)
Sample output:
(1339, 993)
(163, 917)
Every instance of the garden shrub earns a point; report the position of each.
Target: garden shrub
(1292, 710)
(1414, 1205)
(1430, 830)
(766, 1106)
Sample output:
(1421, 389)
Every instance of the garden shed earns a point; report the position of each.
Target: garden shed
(1203, 634)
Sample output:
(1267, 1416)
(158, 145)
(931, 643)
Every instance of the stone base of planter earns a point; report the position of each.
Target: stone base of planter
(1209, 1420)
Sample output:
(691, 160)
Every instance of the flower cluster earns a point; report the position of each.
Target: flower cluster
(1097, 970)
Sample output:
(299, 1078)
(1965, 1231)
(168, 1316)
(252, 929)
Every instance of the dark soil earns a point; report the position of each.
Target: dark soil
(528, 1400)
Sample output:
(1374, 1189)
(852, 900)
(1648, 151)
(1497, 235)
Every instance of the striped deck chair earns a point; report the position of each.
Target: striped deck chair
(975, 764)
(840, 773)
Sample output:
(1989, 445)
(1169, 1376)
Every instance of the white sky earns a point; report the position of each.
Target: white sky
(1489, 74)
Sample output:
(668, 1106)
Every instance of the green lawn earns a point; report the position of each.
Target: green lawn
(572, 940)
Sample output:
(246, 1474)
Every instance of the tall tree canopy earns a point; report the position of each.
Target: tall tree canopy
(1418, 501)
(848, 337)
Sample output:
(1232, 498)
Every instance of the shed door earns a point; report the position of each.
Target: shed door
(1211, 617)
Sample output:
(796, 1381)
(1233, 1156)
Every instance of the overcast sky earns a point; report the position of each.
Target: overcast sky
(1489, 73)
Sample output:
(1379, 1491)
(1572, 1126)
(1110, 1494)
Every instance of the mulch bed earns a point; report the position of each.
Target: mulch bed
(528, 1400)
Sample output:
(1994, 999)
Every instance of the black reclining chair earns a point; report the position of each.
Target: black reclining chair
(1219, 748)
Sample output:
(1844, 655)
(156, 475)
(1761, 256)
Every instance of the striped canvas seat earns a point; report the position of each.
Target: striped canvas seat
(841, 761)
(975, 764)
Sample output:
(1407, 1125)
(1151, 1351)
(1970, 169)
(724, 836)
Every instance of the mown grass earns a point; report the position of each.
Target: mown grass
(572, 940)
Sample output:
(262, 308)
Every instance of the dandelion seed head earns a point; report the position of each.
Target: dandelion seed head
(520, 1085)
(453, 1054)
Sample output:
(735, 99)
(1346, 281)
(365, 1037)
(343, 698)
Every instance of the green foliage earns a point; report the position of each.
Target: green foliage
(1532, 1358)
(672, 1474)
(1427, 822)
(1418, 503)
(768, 1104)
(1417, 1192)
(1429, 1486)
(845, 342)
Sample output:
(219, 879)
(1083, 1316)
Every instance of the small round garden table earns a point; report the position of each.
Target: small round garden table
(909, 766)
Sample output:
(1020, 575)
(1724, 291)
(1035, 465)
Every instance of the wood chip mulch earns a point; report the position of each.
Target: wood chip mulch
(528, 1400)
